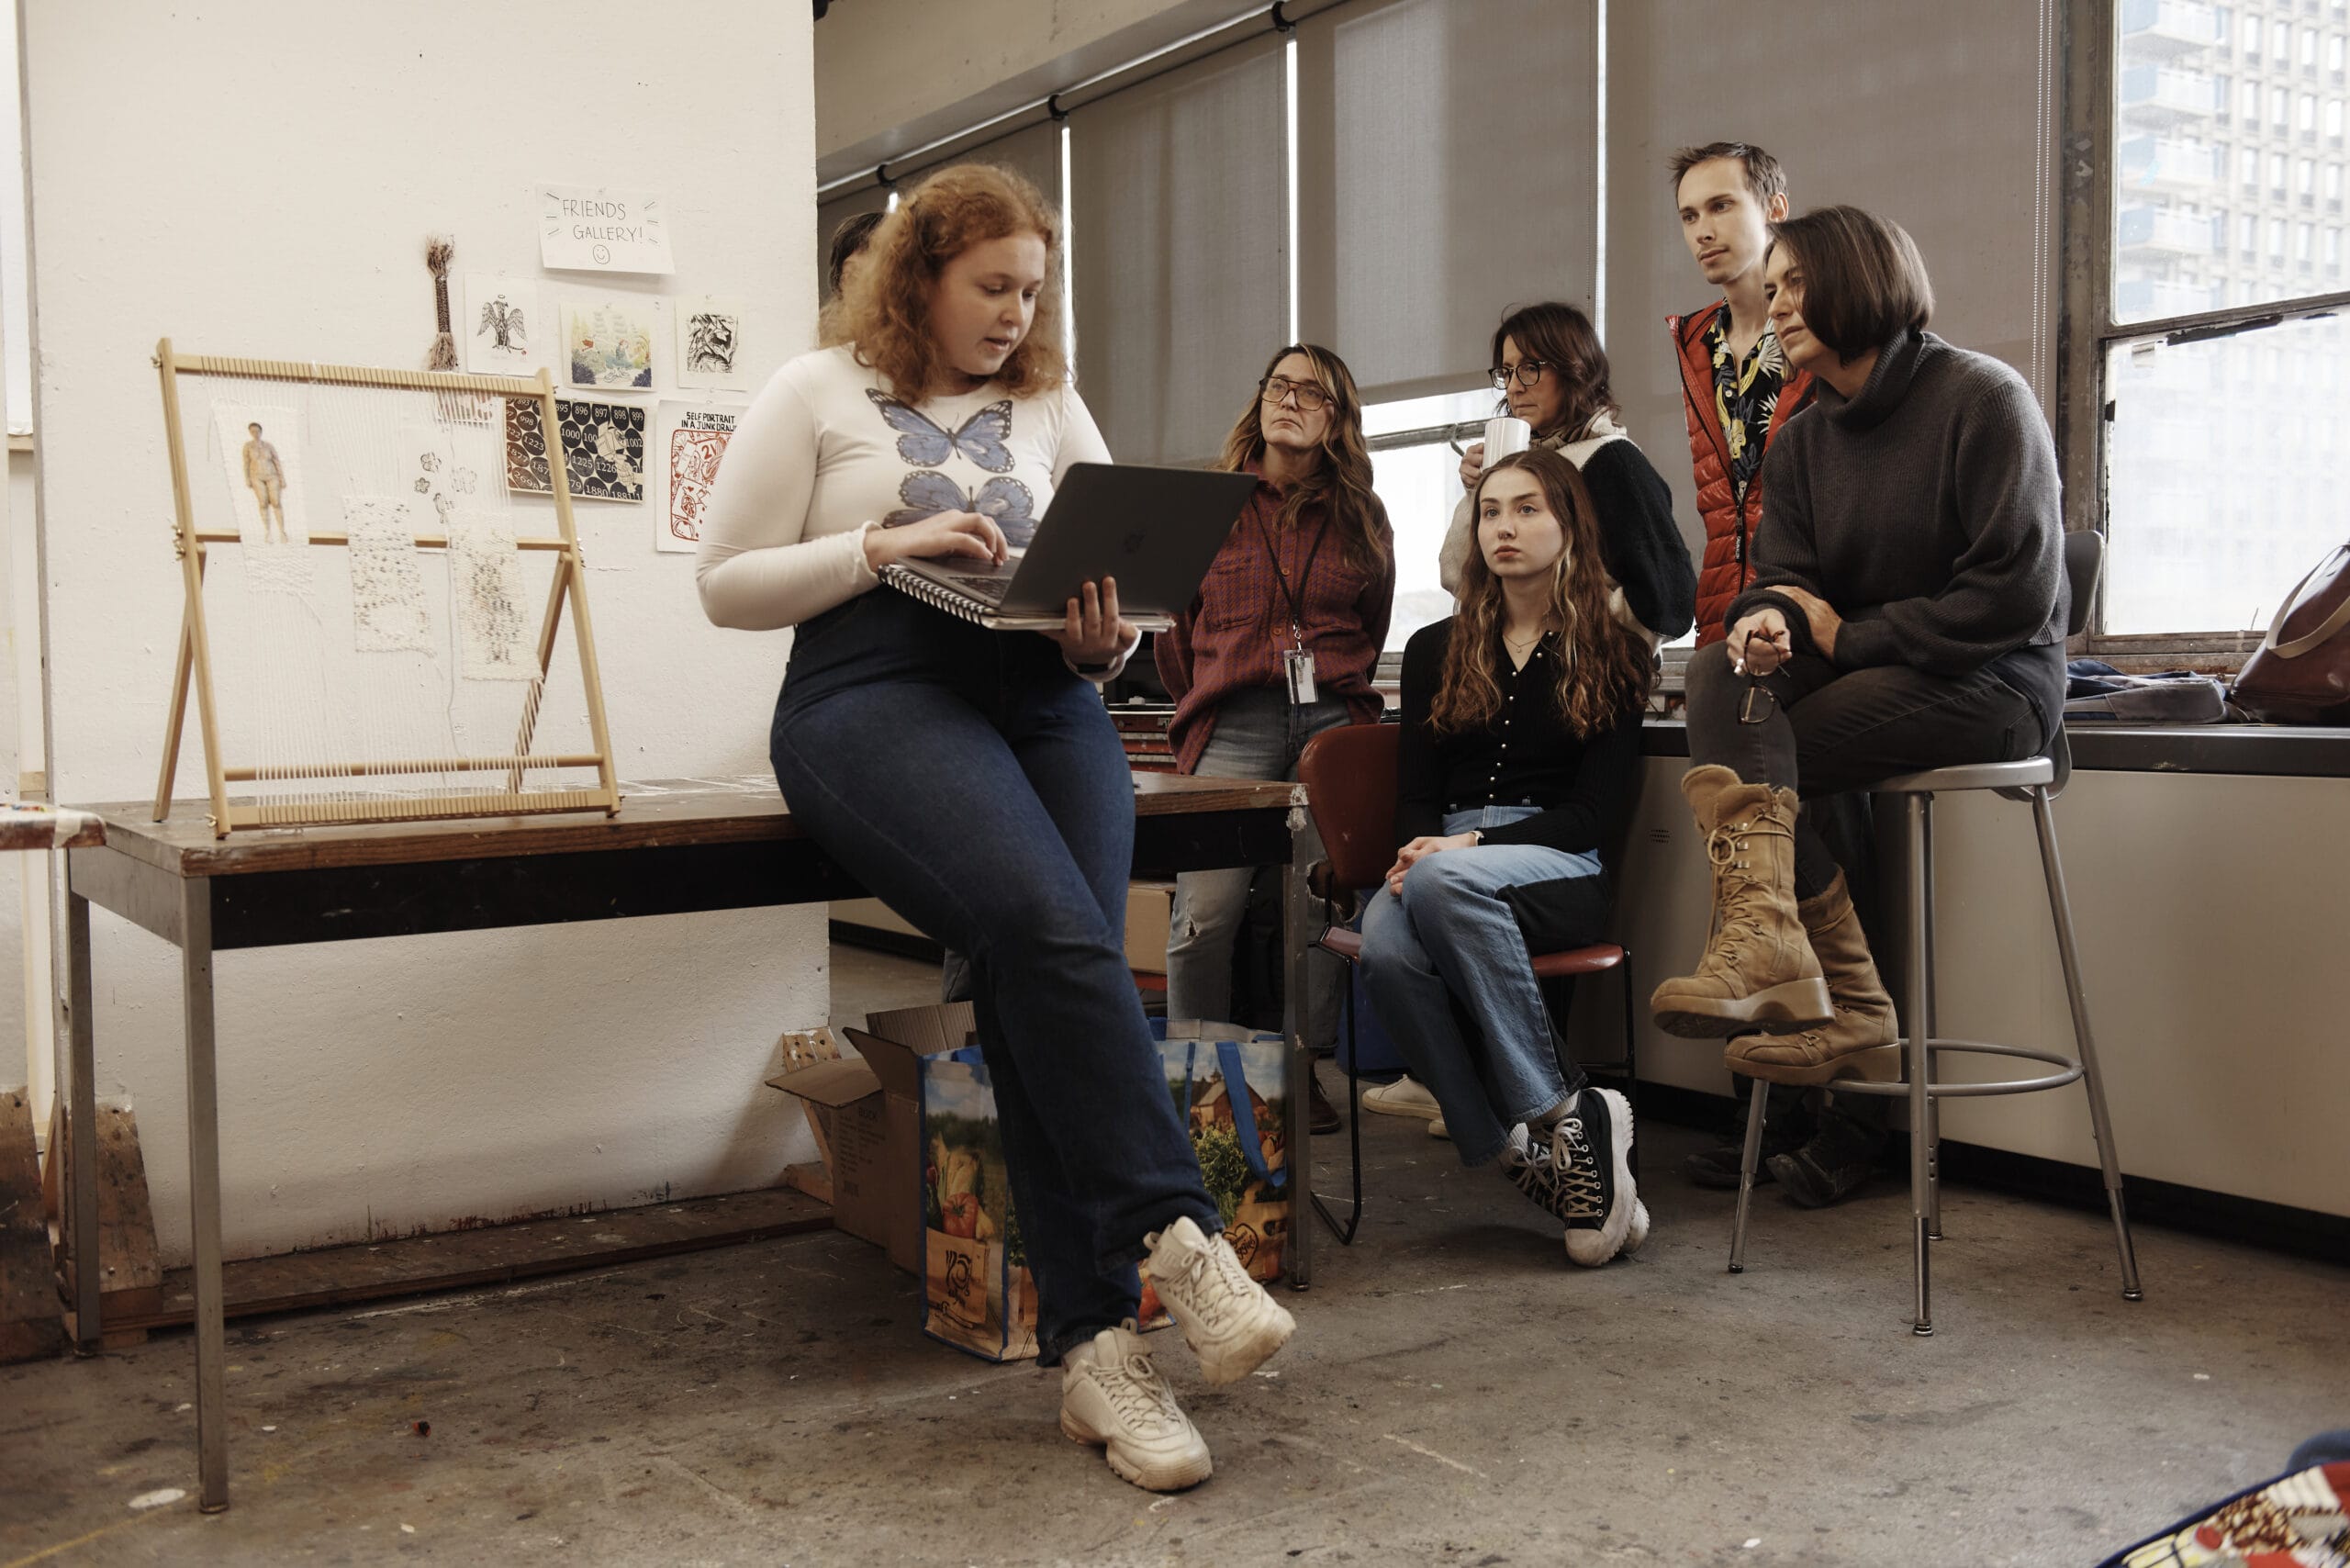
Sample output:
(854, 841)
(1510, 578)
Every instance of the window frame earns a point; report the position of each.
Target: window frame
(2090, 332)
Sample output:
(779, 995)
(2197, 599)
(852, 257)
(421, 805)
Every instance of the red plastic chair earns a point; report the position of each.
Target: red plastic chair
(1350, 777)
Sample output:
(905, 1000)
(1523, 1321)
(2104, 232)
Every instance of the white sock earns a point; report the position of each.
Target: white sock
(1556, 1114)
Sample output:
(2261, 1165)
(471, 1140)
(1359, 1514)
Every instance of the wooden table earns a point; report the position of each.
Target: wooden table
(676, 847)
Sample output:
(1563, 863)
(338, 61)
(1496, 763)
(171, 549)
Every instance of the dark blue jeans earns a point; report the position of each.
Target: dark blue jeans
(975, 786)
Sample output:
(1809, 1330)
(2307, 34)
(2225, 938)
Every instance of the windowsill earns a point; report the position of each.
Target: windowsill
(2264, 750)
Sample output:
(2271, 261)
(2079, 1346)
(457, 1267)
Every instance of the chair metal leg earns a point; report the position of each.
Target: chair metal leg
(1933, 1129)
(1345, 1233)
(1632, 1064)
(1746, 1163)
(2060, 908)
(1920, 1010)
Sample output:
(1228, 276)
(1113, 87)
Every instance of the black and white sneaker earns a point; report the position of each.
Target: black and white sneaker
(1582, 1177)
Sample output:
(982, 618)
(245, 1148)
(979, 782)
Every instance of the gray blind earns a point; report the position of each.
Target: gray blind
(1178, 214)
(1447, 165)
(1935, 119)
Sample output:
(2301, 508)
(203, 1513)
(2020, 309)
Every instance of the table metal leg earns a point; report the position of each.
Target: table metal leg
(204, 1189)
(81, 1131)
(1297, 929)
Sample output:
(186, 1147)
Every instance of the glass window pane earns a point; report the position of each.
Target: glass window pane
(2197, 123)
(1419, 486)
(2223, 483)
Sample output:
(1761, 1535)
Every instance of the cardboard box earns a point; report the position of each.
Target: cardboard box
(867, 1112)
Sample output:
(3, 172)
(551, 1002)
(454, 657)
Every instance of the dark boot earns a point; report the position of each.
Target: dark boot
(1832, 1165)
(1786, 1126)
(1321, 1116)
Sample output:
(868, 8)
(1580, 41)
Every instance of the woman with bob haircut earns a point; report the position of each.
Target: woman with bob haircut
(1552, 373)
(972, 778)
(1306, 579)
(1907, 612)
(1504, 814)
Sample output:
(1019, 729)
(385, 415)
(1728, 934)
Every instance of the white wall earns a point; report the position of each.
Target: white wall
(259, 178)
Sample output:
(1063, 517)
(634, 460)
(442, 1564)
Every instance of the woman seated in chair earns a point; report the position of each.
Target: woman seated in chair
(1503, 828)
(1907, 612)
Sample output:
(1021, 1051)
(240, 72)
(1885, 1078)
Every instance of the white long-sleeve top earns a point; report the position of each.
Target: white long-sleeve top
(827, 449)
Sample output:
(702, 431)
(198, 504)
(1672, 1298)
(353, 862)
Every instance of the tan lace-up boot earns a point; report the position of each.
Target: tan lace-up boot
(1857, 1042)
(1758, 971)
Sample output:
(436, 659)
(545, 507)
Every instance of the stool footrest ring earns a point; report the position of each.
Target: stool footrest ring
(1898, 1089)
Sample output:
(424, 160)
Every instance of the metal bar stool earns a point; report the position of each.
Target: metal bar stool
(1350, 777)
(2038, 780)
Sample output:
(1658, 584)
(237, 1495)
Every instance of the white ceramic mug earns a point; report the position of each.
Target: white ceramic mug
(1507, 436)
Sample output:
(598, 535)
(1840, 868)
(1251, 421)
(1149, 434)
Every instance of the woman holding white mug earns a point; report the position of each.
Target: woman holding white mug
(1552, 374)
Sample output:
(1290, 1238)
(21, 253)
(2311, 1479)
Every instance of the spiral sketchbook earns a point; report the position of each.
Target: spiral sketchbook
(1155, 529)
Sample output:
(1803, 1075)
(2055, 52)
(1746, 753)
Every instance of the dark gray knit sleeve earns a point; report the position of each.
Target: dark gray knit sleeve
(1644, 550)
(2003, 586)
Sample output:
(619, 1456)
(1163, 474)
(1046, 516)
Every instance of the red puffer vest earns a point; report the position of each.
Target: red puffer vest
(1729, 522)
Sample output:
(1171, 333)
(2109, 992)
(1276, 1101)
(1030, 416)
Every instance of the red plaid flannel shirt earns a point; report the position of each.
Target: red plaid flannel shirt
(1236, 631)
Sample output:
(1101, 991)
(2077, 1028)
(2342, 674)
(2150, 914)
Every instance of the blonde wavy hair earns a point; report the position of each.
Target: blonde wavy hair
(1607, 668)
(884, 312)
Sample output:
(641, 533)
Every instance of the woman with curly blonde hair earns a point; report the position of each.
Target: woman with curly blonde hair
(1505, 810)
(972, 778)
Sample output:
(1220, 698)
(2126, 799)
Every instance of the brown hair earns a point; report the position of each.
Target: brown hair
(1606, 667)
(1863, 282)
(1341, 485)
(854, 234)
(1764, 177)
(885, 312)
(1560, 336)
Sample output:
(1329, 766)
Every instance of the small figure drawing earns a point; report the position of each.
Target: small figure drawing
(503, 321)
(710, 343)
(266, 476)
(612, 448)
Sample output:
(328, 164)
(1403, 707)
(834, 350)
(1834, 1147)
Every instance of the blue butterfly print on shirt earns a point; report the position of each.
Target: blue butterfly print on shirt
(1007, 502)
(981, 438)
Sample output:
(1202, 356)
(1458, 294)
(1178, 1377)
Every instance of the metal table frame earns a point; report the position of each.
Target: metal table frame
(674, 849)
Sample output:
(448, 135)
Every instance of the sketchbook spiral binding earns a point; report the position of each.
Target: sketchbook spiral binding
(937, 595)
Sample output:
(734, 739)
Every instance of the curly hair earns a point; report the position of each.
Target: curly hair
(1341, 485)
(1608, 667)
(884, 313)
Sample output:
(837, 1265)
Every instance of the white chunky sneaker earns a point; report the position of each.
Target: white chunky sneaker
(1402, 1098)
(1114, 1399)
(1581, 1176)
(1436, 1127)
(1227, 1317)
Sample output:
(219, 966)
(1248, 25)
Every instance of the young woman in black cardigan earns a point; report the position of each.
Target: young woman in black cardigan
(1505, 808)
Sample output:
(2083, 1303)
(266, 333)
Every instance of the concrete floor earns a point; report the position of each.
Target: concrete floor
(1457, 1394)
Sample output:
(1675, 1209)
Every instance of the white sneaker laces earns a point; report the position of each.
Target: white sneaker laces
(1135, 1390)
(1215, 1282)
(1575, 1172)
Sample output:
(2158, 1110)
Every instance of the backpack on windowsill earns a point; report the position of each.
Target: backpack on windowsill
(2300, 672)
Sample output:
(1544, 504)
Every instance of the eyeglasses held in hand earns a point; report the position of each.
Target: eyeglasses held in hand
(1757, 706)
(1278, 389)
(1526, 373)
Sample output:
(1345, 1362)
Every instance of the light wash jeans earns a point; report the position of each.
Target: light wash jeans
(1260, 733)
(1450, 940)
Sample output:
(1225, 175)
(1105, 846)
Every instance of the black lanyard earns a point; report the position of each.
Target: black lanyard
(1304, 578)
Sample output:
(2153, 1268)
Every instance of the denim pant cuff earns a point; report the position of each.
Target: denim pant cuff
(1211, 1224)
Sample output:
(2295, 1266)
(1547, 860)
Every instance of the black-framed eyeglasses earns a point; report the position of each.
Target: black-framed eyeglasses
(1277, 389)
(1526, 373)
(1759, 703)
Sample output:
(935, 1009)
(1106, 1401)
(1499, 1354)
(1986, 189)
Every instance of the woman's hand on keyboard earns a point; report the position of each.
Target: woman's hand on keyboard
(940, 535)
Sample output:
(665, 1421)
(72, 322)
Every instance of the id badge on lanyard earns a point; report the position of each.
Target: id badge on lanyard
(1297, 664)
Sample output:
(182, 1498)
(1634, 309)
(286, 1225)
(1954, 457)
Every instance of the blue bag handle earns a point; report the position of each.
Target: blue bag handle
(1244, 1115)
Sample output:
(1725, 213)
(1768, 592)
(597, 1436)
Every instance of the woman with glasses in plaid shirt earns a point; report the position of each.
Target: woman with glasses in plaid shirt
(1282, 641)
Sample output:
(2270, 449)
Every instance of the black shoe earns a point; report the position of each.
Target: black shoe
(1717, 1166)
(1321, 1116)
(1829, 1167)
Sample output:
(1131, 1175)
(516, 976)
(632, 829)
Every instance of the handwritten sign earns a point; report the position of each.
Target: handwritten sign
(599, 229)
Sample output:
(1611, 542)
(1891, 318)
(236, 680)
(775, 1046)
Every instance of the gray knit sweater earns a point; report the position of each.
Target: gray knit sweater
(1926, 511)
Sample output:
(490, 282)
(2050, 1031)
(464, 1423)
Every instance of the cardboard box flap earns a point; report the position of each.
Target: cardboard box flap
(895, 1065)
(926, 1031)
(832, 1083)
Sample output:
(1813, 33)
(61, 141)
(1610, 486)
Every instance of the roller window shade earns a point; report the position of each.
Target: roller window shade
(1179, 249)
(1447, 170)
